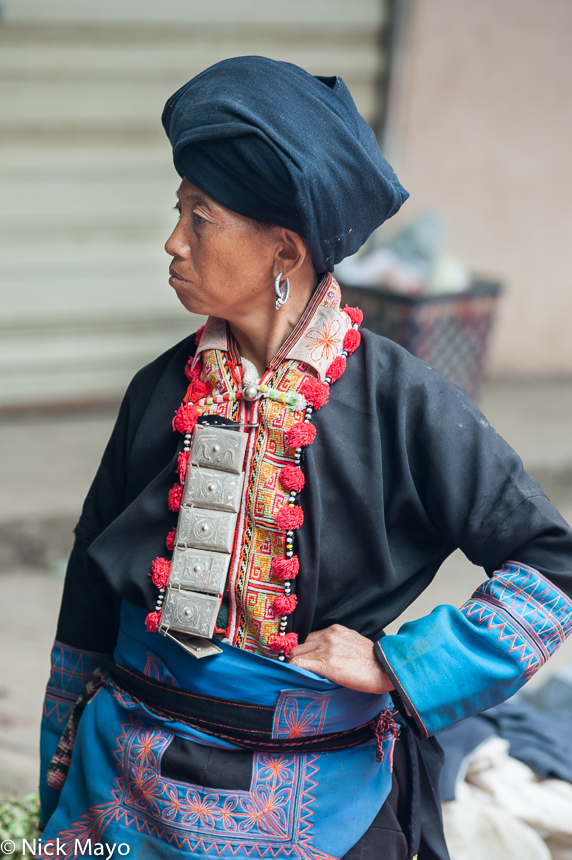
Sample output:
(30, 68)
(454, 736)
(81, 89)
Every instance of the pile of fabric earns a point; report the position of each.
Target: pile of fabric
(507, 781)
(412, 263)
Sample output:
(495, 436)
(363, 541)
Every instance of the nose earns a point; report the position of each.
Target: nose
(176, 246)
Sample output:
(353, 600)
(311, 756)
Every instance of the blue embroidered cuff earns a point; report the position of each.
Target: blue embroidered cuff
(520, 598)
(457, 662)
(71, 670)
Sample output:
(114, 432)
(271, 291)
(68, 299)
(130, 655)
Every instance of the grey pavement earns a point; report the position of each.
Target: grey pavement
(28, 614)
(46, 465)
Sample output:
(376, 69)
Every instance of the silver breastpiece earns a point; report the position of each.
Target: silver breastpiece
(205, 532)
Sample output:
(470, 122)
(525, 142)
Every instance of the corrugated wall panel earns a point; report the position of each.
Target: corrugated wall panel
(86, 181)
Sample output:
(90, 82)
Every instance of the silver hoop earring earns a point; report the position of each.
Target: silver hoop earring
(282, 291)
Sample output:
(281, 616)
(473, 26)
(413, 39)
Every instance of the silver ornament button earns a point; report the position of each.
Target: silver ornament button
(250, 392)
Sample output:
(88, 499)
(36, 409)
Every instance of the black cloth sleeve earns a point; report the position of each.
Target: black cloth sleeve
(89, 614)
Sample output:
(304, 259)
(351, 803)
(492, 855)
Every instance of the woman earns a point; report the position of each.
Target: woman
(278, 488)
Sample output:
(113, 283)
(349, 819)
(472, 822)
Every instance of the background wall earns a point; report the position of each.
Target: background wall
(481, 130)
(86, 180)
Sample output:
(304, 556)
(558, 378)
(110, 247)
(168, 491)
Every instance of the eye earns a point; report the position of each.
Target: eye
(177, 209)
(198, 219)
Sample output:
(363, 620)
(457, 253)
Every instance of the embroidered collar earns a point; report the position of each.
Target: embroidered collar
(317, 338)
(308, 346)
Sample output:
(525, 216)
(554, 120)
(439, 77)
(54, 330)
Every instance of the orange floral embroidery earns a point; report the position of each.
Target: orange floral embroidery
(325, 340)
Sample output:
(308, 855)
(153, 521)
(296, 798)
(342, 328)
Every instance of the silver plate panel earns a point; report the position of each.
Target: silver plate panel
(196, 646)
(197, 570)
(210, 488)
(190, 612)
(216, 448)
(201, 529)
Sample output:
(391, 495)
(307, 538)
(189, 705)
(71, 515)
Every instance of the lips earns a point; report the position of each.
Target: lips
(176, 277)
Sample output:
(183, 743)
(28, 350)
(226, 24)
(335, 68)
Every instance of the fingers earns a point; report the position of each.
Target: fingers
(317, 667)
(324, 651)
(344, 657)
(320, 638)
(315, 664)
(307, 647)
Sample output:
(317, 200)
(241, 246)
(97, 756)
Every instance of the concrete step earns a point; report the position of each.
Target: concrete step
(301, 13)
(74, 196)
(90, 282)
(87, 302)
(81, 362)
(119, 78)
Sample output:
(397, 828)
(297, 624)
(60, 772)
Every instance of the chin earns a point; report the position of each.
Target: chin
(195, 301)
(190, 303)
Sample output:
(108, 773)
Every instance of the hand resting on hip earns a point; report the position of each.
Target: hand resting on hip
(344, 657)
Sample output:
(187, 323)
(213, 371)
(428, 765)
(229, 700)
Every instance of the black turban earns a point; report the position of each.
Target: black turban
(271, 142)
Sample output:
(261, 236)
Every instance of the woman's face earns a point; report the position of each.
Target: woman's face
(223, 263)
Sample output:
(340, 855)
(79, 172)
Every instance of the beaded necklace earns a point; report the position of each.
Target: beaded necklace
(312, 396)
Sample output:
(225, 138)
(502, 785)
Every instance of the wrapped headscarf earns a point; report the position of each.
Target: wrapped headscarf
(270, 141)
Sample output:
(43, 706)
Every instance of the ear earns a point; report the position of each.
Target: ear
(292, 252)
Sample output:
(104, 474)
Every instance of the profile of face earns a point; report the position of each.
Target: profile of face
(223, 263)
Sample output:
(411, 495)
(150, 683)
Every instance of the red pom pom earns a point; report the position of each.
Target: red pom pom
(160, 571)
(192, 371)
(199, 389)
(170, 542)
(283, 643)
(336, 368)
(315, 392)
(292, 478)
(289, 517)
(152, 621)
(285, 568)
(352, 340)
(354, 314)
(182, 465)
(284, 604)
(199, 334)
(175, 497)
(185, 418)
(299, 435)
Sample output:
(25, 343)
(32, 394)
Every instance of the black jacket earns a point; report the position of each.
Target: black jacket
(404, 469)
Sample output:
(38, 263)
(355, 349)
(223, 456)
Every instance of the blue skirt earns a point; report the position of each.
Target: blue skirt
(153, 787)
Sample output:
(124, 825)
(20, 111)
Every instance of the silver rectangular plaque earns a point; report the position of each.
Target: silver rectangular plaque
(217, 448)
(198, 570)
(190, 612)
(196, 646)
(210, 488)
(204, 529)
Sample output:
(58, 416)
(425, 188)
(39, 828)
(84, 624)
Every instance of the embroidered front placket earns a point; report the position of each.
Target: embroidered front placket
(236, 531)
(205, 532)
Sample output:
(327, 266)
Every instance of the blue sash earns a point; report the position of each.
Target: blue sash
(311, 805)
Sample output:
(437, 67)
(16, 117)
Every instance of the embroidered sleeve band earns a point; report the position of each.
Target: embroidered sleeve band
(71, 670)
(519, 602)
(457, 662)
